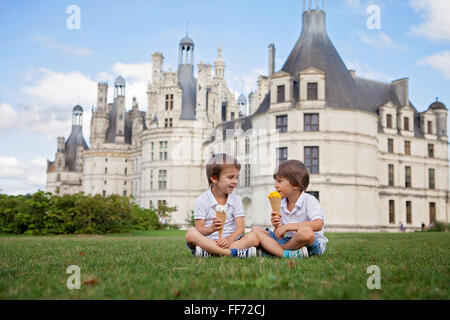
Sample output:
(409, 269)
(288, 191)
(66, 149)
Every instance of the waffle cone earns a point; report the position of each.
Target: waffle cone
(222, 216)
(276, 205)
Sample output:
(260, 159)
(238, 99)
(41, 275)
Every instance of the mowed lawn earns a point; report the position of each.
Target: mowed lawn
(157, 265)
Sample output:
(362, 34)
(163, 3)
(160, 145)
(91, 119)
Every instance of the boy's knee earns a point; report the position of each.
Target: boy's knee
(306, 234)
(191, 235)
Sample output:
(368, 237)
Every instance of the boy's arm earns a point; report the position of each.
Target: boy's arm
(200, 226)
(316, 225)
(240, 229)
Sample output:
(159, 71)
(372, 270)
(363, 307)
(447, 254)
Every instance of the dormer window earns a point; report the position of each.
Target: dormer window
(389, 121)
(280, 94)
(406, 123)
(312, 92)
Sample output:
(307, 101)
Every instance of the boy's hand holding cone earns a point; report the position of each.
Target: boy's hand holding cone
(275, 203)
(222, 215)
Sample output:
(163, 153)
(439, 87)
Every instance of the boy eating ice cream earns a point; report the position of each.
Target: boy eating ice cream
(213, 236)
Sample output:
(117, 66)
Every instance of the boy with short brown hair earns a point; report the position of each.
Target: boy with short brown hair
(299, 230)
(222, 172)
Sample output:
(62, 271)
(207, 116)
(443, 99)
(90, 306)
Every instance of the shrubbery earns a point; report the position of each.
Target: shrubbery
(44, 213)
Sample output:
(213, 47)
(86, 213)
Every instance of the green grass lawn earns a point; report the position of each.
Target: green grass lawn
(157, 265)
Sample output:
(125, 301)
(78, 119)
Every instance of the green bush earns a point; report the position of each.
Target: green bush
(42, 213)
(440, 226)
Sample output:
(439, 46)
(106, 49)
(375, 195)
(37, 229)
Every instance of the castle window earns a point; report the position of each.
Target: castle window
(390, 145)
(432, 212)
(407, 148)
(151, 180)
(391, 174)
(281, 123)
(153, 149)
(124, 193)
(312, 159)
(408, 177)
(431, 150)
(169, 102)
(162, 179)
(281, 154)
(126, 171)
(168, 123)
(280, 93)
(431, 179)
(311, 122)
(57, 190)
(163, 150)
(58, 177)
(106, 170)
(406, 123)
(104, 193)
(389, 121)
(391, 211)
(312, 92)
(247, 145)
(408, 212)
(430, 127)
(247, 175)
(232, 115)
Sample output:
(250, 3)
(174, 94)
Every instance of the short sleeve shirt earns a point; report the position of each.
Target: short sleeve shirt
(205, 209)
(307, 208)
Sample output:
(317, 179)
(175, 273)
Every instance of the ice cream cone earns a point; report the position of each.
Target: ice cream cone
(222, 216)
(275, 202)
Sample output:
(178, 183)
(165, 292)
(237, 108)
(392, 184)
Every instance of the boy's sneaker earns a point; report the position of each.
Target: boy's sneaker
(300, 253)
(201, 253)
(244, 253)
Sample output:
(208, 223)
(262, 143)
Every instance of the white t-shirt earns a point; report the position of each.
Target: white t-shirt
(307, 208)
(205, 209)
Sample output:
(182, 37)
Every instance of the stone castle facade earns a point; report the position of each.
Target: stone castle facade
(375, 161)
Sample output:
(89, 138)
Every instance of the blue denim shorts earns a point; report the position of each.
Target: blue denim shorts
(193, 249)
(314, 249)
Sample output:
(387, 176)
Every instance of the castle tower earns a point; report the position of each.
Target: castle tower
(219, 65)
(243, 107)
(119, 112)
(102, 96)
(157, 65)
(99, 120)
(186, 79)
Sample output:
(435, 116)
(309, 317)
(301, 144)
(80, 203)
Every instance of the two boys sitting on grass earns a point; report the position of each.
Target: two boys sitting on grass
(298, 232)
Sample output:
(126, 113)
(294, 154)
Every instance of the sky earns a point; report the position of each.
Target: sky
(53, 54)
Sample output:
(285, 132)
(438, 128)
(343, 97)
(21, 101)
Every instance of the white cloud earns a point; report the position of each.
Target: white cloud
(137, 77)
(18, 177)
(243, 82)
(52, 44)
(436, 25)
(9, 117)
(439, 61)
(365, 71)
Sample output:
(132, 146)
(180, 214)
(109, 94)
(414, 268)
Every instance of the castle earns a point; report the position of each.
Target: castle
(375, 161)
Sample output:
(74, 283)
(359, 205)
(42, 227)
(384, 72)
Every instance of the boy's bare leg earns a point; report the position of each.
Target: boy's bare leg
(195, 238)
(247, 241)
(259, 237)
(304, 236)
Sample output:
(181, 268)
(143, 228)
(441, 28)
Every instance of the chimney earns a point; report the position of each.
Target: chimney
(271, 59)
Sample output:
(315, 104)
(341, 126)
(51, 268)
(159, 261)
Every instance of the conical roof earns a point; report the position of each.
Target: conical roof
(315, 49)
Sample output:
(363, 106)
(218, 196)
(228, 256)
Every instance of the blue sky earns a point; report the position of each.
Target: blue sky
(46, 68)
